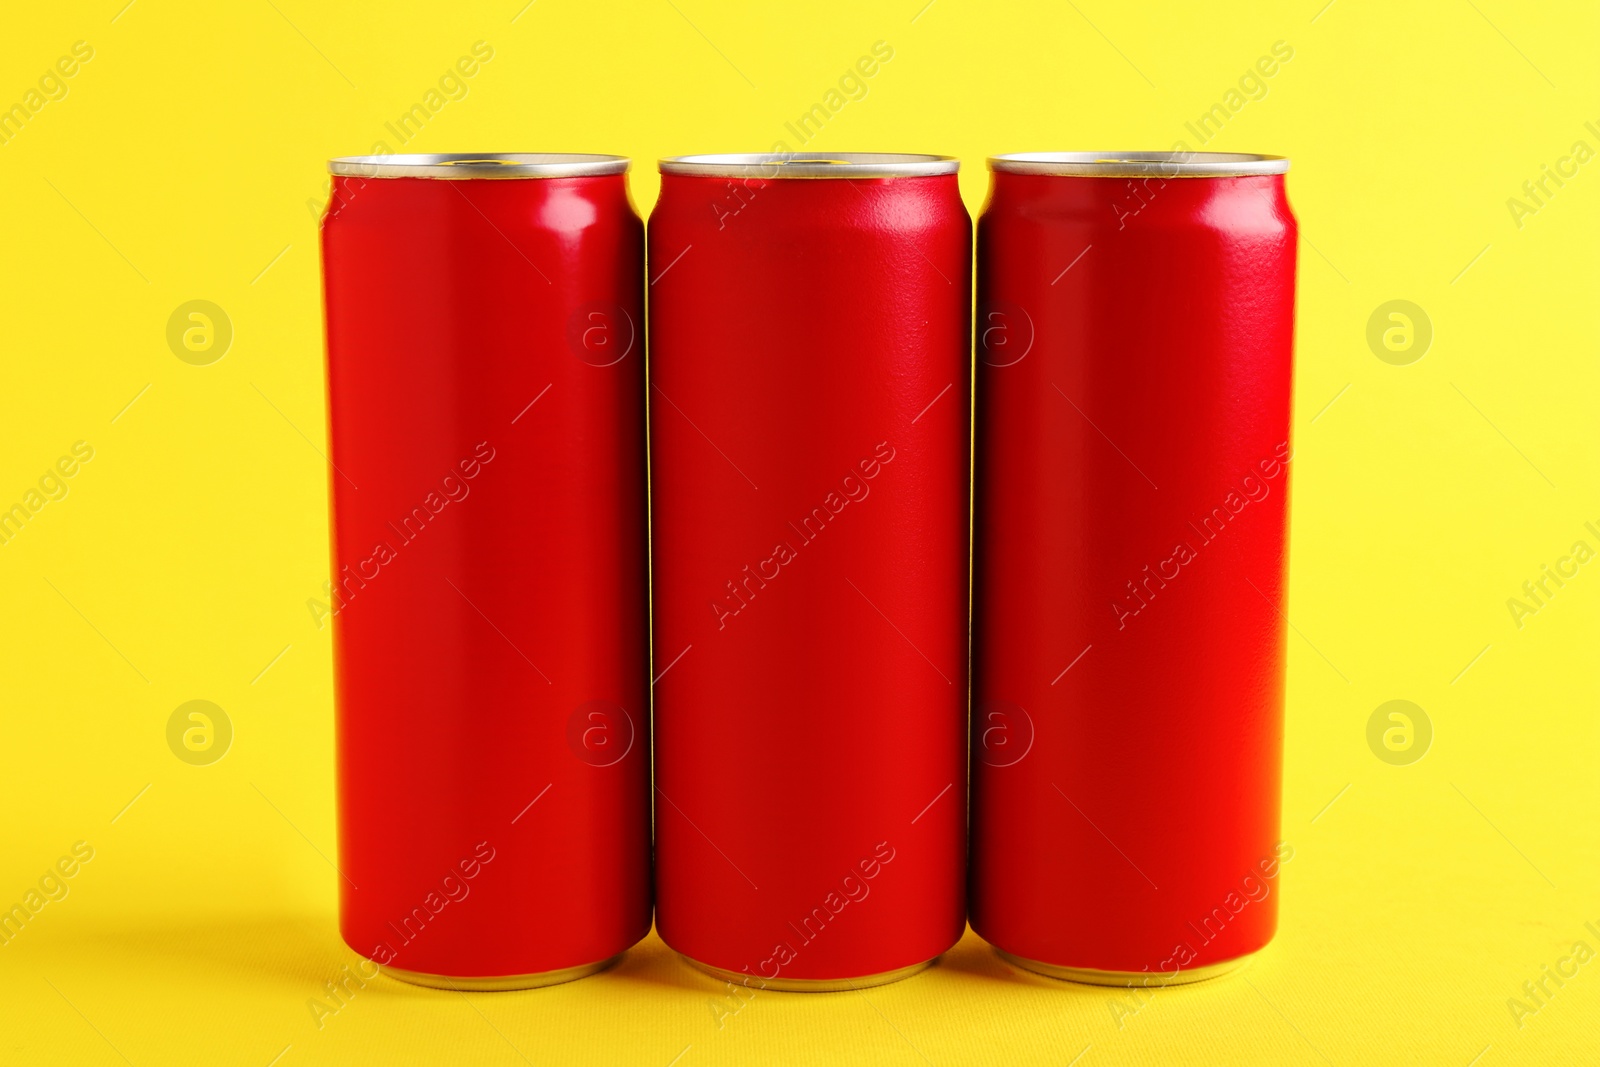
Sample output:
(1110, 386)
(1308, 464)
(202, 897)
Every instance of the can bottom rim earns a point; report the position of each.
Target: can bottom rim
(811, 985)
(1093, 976)
(499, 982)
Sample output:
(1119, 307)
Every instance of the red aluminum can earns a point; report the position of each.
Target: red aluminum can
(490, 600)
(810, 343)
(1136, 315)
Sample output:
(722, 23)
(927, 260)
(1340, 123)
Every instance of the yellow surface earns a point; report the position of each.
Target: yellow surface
(178, 166)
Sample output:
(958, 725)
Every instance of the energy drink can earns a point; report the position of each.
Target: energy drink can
(1135, 322)
(489, 603)
(810, 332)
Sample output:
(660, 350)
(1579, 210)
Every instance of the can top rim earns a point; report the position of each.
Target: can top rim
(811, 165)
(1140, 164)
(459, 166)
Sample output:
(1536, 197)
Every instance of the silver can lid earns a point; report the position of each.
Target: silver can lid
(811, 165)
(1140, 164)
(459, 166)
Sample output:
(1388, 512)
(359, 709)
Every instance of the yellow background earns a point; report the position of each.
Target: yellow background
(179, 166)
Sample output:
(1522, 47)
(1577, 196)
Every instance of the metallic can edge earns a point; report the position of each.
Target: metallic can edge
(811, 985)
(500, 982)
(1139, 164)
(811, 165)
(1091, 976)
(458, 166)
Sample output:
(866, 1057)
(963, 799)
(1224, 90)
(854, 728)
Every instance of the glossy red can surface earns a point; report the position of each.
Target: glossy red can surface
(809, 461)
(1133, 404)
(486, 425)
